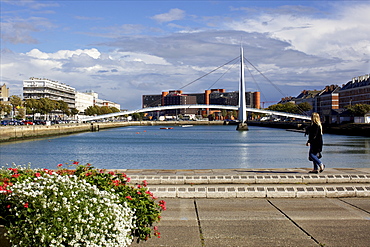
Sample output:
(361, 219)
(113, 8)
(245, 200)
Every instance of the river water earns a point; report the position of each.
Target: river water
(197, 147)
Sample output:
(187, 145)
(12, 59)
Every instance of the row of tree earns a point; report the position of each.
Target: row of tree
(100, 110)
(291, 107)
(46, 106)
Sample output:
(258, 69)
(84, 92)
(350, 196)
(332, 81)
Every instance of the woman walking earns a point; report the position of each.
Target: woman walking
(315, 142)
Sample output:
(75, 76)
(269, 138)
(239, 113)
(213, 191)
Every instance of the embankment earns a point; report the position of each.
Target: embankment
(12, 133)
(351, 129)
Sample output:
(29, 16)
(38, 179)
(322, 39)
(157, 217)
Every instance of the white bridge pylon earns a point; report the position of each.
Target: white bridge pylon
(200, 106)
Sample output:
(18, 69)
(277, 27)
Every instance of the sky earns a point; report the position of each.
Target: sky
(125, 49)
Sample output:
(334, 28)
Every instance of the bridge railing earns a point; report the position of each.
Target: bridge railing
(196, 106)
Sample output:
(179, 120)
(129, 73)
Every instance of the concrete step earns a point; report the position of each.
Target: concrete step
(252, 179)
(261, 190)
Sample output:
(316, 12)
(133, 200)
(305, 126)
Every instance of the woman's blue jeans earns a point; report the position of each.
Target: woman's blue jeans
(316, 161)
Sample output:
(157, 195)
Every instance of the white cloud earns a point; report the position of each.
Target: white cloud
(345, 34)
(172, 15)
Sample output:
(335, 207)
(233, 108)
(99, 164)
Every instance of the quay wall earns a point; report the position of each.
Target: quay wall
(351, 129)
(12, 133)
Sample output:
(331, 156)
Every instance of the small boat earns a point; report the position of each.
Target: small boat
(166, 128)
(186, 125)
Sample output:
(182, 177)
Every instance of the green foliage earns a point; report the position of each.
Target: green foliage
(291, 107)
(100, 110)
(15, 100)
(47, 209)
(74, 111)
(138, 116)
(5, 108)
(358, 109)
(305, 106)
(137, 197)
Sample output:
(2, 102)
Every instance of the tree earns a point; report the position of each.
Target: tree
(5, 108)
(63, 106)
(32, 106)
(114, 109)
(305, 106)
(47, 105)
(358, 109)
(15, 101)
(287, 107)
(105, 110)
(74, 111)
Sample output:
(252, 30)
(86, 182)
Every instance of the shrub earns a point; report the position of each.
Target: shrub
(82, 196)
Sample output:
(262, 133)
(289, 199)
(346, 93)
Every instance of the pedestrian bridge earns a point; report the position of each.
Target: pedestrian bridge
(196, 106)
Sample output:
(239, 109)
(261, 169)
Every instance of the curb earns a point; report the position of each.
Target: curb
(262, 191)
(252, 179)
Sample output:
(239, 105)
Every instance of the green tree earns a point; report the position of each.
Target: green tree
(74, 111)
(5, 108)
(47, 105)
(105, 110)
(114, 109)
(15, 101)
(305, 106)
(63, 106)
(93, 110)
(32, 106)
(358, 109)
(287, 107)
(223, 114)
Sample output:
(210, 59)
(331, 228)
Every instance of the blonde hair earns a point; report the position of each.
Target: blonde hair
(315, 119)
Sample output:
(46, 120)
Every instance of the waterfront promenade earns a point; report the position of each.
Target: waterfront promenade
(285, 207)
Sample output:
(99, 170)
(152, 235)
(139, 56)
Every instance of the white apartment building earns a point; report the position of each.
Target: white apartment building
(83, 101)
(90, 98)
(36, 88)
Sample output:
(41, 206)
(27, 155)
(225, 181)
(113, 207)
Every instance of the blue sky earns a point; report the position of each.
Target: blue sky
(125, 49)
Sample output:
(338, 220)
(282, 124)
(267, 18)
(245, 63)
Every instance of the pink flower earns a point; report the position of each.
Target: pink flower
(116, 182)
(145, 183)
(111, 173)
(139, 193)
(37, 174)
(15, 175)
(128, 180)
(129, 197)
(26, 205)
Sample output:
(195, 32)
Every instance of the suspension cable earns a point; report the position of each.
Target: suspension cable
(208, 73)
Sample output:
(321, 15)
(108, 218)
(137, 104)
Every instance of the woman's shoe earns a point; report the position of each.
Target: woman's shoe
(322, 167)
(314, 171)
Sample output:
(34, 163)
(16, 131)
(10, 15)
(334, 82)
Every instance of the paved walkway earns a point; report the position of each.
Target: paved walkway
(261, 207)
(264, 222)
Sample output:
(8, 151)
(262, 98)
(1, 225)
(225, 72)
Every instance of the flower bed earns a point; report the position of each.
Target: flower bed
(80, 207)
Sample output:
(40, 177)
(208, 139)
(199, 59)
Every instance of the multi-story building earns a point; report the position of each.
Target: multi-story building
(209, 97)
(4, 93)
(177, 98)
(356, 91)
(36, 88)
(83, 101)
(90, 98)
(331, 102)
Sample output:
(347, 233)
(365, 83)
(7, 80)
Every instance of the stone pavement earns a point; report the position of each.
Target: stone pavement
(264, 222)
(261, 207)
